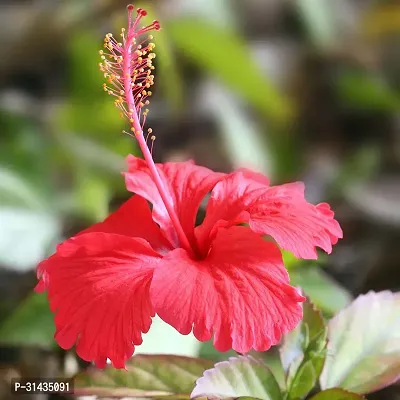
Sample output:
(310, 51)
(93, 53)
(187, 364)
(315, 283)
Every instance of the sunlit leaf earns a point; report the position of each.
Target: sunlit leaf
(26, 236)
(238, 377)
(319, 19)
(225, 55)
(364, 344)
(337, 394)
(146, 376)
(272, 360)
(31, 324)
(323, 291)
(241, 137)
(14, 189)
(164, 339)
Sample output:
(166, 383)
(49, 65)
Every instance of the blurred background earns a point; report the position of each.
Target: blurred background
(297, 89)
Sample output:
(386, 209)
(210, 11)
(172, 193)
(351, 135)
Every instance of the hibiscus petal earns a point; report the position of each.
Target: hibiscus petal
(295, 224)
(133, 218)
(98, 286)
(186, 182)
(279, 211)
(240, 292)
(229, 200)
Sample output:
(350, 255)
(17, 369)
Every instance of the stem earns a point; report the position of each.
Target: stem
(165, 196)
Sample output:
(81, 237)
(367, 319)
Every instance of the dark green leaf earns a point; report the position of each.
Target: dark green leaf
(30, 325)
(337, 394)
(238, 377)
(364, 91)
(303, 352)
(146, 376)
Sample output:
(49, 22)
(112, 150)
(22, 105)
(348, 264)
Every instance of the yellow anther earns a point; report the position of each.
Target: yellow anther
(121, 92)
(131, 120)
(101, 52)
(149, 130)
(151, 37)
(153, 138)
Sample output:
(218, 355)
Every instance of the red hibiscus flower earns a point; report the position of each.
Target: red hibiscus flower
(221, 279)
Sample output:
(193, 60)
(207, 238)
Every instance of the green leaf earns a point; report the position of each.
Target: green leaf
(323, 291)
(365, 91)
(26, 236)
(303, 381)
(146, 376)
(93, 195)
(240, 376)
(303, 352)
(30, 325)
(364, 344)
(272, 360)
(337, 394)
(91, 153)
(209, 352)
(298, 341)
(226, 56)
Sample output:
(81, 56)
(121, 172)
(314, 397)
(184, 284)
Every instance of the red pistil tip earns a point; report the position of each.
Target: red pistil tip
(130, 7)
(141, 12)
(156, 25)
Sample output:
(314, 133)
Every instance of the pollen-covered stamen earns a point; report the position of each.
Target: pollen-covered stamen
(137, 73)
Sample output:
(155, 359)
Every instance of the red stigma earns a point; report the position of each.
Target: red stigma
(130, 7)
(156, 25)
(141, 12)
